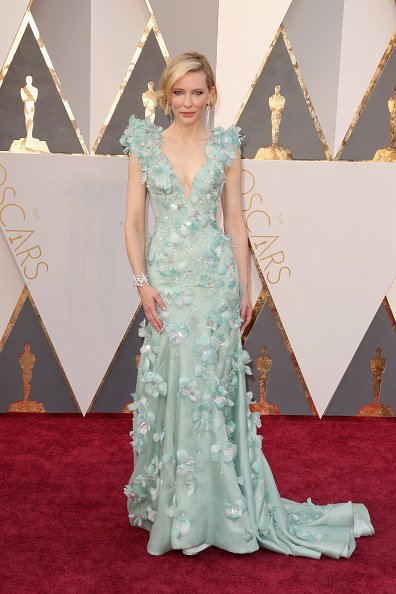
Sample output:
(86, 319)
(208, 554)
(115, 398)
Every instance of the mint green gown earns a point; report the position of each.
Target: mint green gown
(200, 475)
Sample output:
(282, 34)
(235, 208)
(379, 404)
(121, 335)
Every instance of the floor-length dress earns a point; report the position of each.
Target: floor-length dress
(200, 475)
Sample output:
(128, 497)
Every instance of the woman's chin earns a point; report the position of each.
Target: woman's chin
(189, 119)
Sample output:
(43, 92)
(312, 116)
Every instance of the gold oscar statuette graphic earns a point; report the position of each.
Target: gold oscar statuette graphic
(275, 152)
(26, 361)
(378, 364)
(388, 153)
(150, 101)
(29, 95)
(264, 362)
(126, 409)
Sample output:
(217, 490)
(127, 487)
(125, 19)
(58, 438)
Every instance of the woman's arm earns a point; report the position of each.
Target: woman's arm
(234, 226)
(135, 240)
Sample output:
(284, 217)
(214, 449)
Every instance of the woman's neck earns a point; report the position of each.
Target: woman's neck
(180, 132)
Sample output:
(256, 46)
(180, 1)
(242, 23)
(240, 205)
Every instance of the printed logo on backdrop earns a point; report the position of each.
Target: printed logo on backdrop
(16, 225)
(264, 225)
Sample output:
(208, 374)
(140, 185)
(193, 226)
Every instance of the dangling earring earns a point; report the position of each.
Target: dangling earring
(170, 113)
(207, 115)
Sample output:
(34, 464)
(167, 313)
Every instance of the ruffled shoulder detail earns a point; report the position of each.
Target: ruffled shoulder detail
(225, 143)
(142, 138)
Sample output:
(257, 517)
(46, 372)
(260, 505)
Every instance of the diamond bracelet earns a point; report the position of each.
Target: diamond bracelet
(140, 279)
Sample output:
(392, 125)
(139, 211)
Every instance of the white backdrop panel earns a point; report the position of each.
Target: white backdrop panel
(323, 233)
(11, 285)
(315, 37)
(11, 14)
(255, 283)
(76, 207)
(367, 29)
(245, 32)
(65, 30)
(116, 31)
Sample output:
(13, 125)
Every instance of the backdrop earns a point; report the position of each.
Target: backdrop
(318, 194)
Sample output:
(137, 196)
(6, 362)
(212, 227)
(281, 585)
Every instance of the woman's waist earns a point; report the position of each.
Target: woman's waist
(191, 256)
(184, 233)
(195, 222)
(182, 238)
(193, 275)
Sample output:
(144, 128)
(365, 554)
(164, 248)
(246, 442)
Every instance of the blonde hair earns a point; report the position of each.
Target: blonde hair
(178, 67)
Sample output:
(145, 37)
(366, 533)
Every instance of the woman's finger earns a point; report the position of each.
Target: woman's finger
(160, 301)
(154, 313)
(149, 317)
(155, 325)
(156, 322)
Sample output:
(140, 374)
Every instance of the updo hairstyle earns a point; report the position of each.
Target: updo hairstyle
(178, 67)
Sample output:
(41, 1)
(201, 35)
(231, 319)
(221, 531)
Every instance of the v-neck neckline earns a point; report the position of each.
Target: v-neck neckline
(175, 175)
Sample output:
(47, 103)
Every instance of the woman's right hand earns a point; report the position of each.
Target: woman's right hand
(150, 296)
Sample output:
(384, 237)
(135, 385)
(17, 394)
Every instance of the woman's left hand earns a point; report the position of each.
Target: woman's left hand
(245, 311)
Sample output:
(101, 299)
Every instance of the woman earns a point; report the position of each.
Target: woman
(200, 477)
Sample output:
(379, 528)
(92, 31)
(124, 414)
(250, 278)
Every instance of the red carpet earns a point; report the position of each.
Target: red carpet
(65, 529)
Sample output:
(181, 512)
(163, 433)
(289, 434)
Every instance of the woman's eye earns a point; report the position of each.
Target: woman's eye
(177, 92)
(198, 92)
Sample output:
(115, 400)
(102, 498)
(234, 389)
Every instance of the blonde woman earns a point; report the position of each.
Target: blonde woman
(200, 477)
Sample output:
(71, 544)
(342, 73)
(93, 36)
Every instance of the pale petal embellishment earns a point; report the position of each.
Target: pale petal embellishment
(235, 510)
(227, 454)
(190, 485)
(181, 528)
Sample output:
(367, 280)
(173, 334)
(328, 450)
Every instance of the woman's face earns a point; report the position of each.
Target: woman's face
(190, 94)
